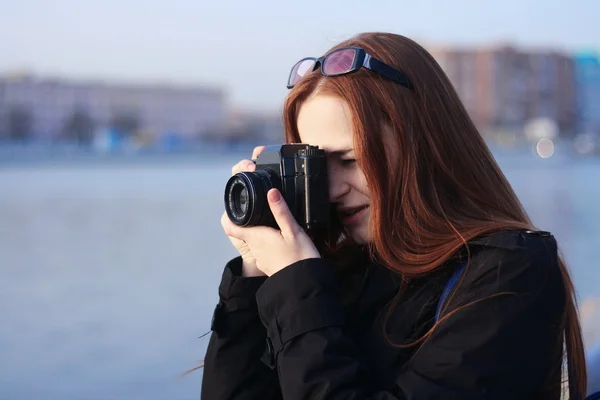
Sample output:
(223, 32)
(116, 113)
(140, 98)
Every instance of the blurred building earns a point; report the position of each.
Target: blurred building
(504, 87)
(587, 79)
(263, 127)
(51, 109)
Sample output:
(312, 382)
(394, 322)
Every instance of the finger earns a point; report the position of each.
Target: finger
(231, 229)
(283, 216)
(256, 152)
(243, 166)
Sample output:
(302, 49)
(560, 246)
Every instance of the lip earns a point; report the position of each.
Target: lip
(354, 218)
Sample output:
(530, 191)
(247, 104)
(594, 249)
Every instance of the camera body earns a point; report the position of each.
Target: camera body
(298, 171)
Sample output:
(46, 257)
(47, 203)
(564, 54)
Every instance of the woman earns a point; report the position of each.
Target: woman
(418, 197)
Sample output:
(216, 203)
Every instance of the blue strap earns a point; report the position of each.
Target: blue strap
(448, 289)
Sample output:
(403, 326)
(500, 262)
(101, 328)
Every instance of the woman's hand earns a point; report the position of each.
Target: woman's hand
(248, 260)
(273, 249)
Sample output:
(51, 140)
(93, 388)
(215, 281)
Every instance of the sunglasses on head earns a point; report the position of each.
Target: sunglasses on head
(344, 61)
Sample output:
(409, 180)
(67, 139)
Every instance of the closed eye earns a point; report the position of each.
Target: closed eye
(347, 161)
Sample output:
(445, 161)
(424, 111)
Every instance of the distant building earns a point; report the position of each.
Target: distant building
(261, 127)
(503, 87)
(587, 79)
(49, 109)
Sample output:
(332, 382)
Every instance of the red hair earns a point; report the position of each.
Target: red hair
(434, 184)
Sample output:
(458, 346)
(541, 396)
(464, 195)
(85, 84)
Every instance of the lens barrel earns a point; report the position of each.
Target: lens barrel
(246, 197)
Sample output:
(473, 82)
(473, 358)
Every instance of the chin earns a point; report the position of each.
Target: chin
(361, 234)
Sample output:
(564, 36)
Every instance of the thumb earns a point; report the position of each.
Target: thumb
(282, 214)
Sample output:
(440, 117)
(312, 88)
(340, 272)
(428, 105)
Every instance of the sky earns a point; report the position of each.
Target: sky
(248, 47)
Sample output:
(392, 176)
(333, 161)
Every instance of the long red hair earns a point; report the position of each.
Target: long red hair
(435, 184)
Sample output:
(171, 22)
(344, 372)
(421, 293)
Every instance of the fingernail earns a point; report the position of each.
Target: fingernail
(250, 165)
(274, 195)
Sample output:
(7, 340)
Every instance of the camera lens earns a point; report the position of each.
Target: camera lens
(246, 197)
(239, 197)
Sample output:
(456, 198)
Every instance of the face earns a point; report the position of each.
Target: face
(325, 121)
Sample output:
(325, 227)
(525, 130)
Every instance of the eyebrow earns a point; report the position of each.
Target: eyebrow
(341, 152)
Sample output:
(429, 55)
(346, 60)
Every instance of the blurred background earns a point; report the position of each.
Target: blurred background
(119, 124)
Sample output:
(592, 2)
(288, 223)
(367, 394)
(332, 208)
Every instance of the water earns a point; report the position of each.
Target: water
(108, 274)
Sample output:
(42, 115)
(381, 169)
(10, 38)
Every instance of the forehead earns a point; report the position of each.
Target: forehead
(325, 121)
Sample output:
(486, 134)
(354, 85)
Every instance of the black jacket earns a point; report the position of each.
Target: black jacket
(313, 332)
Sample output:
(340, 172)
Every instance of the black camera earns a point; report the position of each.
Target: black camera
(298, 171)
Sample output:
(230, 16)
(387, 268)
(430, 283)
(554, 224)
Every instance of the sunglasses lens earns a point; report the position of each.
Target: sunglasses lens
(302, 68)
(339, 62)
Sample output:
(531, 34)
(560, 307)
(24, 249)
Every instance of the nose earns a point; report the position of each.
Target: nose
(338, 185)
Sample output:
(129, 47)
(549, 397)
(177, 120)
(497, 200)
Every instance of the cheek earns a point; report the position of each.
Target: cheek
(361, 183)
